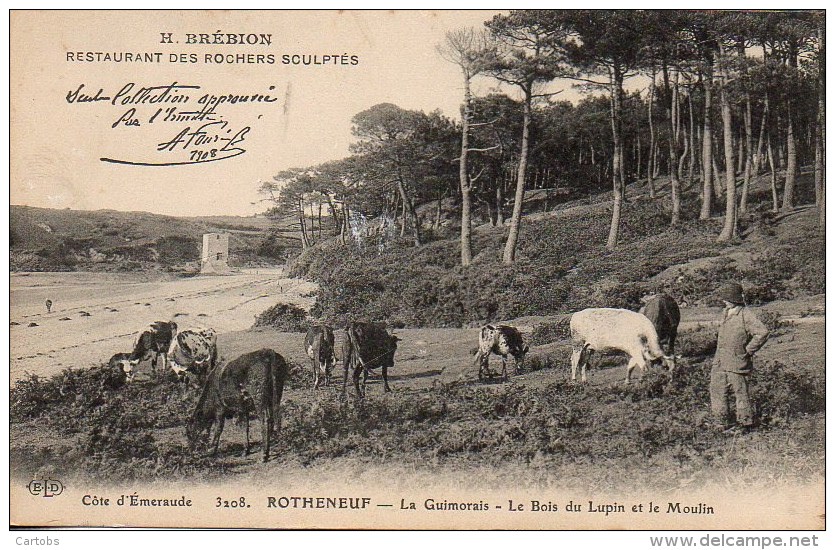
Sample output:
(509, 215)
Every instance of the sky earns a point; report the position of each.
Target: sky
(58, 139)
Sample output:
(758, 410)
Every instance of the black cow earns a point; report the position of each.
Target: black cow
(319, 346)
(254, 382)
(501, 340)
(154, 342)
(367, 346)
(665, 315)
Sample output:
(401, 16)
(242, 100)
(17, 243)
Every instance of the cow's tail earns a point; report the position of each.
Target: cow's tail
(279, 371)
(355, 350)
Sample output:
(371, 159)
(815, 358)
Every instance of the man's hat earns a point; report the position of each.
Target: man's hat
(732, 292)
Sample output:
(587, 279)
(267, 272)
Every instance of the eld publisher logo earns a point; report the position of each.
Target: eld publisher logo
(45, 487)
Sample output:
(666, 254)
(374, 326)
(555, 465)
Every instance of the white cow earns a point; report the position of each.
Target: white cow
(605, 329)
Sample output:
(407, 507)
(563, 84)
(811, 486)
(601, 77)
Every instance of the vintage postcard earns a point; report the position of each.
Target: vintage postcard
(505, 270)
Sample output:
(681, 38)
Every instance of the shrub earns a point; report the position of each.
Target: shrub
(545, 333)
(284, 317)
(781, 392)
(698, 344)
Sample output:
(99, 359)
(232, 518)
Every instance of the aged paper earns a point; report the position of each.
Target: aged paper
(187, 113)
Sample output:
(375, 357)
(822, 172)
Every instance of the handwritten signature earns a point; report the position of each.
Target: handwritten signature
(208, 142)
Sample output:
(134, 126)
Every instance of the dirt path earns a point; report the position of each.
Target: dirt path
(98, 314)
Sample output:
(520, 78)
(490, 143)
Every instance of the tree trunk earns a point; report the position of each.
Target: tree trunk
(303, 225)
(618, 184)
(516, 220)
(758, 158)
(791, 146)
(691, 162)
(345, 222)
(408, 206)
(749, 161)
(791, 162)
(718, 188)
(500, 204)
(320, 219)
(775, 201)
(729, 232)
(707, 158)
(651, 157)
(638, 165)
(675, 180)
(464, 178)
(820, 137)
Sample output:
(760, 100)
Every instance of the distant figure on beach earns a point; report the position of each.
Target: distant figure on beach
(49, 306)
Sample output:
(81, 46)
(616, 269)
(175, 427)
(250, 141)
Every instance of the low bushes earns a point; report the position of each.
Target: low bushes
(284, 317)
(138, 430)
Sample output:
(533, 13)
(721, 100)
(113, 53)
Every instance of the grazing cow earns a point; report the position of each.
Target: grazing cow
(367, 346)
(154, 342)
(318, 343)
(193, 350)
(604, 329)
(49, 306)
(663, 311)
(254, 382)
(122, 366)
(501, 340)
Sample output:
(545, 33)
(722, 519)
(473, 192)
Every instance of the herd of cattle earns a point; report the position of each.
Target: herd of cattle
(254, 382)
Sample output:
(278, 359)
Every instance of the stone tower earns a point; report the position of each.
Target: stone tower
(215, 257)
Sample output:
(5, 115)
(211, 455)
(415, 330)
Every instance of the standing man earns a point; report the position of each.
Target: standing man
(741, 334)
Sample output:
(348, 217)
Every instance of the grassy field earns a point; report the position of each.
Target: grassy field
(539, 429)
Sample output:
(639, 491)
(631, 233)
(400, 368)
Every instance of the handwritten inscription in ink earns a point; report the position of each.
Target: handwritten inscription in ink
(196, 125)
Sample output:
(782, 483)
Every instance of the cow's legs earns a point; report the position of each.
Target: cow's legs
(218, 430)
(364, 379)
(576, 357)
(357, 371)
(504, 368)
(629, 368)
(328, 371)
(345, 364)
(315, 374)
(478, 361)
(266, 430)
(386, 387)
(246, 422)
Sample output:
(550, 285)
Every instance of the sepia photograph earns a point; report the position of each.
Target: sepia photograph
(418, 269)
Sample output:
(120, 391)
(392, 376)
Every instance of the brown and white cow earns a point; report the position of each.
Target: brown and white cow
(503, 340)
(606, 329)
(319, 346)
(154, 343)
(367, 346)
(194, 351)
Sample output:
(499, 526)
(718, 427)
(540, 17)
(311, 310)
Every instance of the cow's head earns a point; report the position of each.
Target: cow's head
(124, 365)
(669, 363)
(519, 354)
(196, 428)
(127, 368)
(388, 359)
(179, 372)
